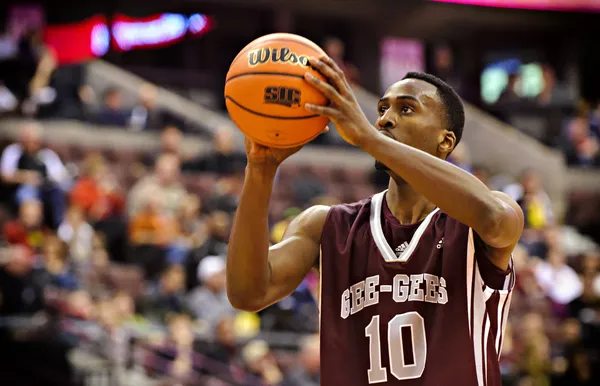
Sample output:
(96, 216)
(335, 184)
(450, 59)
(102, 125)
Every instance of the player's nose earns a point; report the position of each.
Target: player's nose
(385, 122)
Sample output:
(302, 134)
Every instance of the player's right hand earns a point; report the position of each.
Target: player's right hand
(269, 157)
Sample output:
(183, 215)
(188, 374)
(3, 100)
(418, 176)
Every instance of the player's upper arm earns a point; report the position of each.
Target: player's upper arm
(291, 259)
(506, 230)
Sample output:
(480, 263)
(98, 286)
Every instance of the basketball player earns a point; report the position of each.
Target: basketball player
(416, 280)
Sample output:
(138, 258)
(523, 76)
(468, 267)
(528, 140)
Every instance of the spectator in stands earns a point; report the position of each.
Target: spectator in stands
(537, 208)
(101, 275)
(582, 147)
(559, 281)
(154, 229)
(444, 67)
(30, 72)
(220, 227)
(27, 230)
(225, 158)
(336, 49)
(112, 112)
(98, 193)
(553, 93)
(182, 336)
(56, 264)
(146, 115)
(166, 296)
(573, 348)
(170, 143)
(588, 304)
(509, 95)
(260, 363)
(36, 172)
(207, 241)
(225, 348)
(190, 226)
(535, 201)
(209, 301)
(306, 373)
(21, 289)
(163, 185)
(77, 233)
(535, 359)
(226, 192)
(88, 103)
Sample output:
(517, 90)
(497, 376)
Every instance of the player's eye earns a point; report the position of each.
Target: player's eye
(382, 109)
(406, 109)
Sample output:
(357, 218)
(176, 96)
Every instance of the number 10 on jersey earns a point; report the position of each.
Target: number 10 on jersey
(397, 346)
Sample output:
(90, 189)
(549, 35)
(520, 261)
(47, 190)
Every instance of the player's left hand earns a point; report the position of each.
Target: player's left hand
(343, 110)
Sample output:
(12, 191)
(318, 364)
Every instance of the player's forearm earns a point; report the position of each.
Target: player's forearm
(458, 193)
(247, 255)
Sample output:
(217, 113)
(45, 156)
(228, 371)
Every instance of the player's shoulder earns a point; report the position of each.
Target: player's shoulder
(342, 217)
(350, 210)
(311, 221)
(317, 216)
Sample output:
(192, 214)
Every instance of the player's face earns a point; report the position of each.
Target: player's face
(411, 112)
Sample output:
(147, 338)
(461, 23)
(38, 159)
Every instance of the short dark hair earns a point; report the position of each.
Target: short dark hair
(455, 110)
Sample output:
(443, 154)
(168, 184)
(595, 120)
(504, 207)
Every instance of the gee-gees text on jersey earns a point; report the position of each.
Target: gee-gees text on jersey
(423, 287)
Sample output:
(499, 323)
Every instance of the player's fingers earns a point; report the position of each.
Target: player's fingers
(329, 73)
(326, 111)
(331, 93)
(331, 63)
(340, 74)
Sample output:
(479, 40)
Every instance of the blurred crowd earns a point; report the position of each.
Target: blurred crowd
(126, 257)
(140, 246)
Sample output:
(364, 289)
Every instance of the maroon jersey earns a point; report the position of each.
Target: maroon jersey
(408, 305)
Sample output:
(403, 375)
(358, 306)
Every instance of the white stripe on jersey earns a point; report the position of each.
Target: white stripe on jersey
(377, 231)
(478, 295)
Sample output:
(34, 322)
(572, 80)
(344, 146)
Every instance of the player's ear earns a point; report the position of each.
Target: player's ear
(448, 142)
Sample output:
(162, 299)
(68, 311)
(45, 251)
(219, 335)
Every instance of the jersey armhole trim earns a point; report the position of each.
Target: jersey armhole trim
(509, 280)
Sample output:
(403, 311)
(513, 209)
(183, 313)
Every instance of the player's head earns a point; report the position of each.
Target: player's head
(422, 111)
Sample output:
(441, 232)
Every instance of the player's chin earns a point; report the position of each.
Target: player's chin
(381, 166)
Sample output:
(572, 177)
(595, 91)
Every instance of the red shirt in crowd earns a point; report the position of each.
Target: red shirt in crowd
(95, 201)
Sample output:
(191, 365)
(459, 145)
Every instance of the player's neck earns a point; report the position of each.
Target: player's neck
(408, 206)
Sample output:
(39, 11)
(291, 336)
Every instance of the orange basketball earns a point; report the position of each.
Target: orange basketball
(265, 91)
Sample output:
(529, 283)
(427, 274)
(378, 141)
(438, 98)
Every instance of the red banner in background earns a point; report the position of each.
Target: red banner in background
(78, 42)
(91, 38)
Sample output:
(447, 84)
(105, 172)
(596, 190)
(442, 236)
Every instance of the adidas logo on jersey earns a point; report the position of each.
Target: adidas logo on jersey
(401, 248)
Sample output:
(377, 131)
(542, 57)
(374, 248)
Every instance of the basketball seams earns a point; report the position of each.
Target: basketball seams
(298, 143)
(266, 73)
(238, 104)
(285, 40)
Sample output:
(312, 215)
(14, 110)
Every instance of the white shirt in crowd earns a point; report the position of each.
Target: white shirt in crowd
(560, 283)
(56, 169)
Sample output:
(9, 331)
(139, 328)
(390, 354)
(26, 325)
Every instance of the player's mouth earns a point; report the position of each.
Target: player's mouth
(387, 134)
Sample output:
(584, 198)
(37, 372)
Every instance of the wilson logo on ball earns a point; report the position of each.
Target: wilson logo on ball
(284, 96)
(276, 55)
